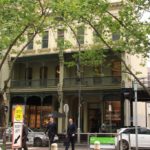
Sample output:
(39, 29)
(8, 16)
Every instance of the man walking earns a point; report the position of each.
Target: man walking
(52, 130)
(70, 137)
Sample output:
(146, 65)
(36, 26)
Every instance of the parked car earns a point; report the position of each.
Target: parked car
(34, 138)
(127, 138)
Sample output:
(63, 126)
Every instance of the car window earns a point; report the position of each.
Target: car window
(144, 131)
(129, 131)
(29, 130)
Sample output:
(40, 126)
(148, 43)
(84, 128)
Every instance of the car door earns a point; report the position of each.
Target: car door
(144, 135)
(132, 137)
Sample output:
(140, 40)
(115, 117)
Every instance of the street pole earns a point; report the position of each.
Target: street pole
(60, 87)
(79, 112)
(79, 98)
(136, 117)
(66, 110)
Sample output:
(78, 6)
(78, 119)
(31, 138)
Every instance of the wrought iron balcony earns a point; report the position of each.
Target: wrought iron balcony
(68, 82)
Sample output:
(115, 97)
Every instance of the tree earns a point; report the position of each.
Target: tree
(98, 15)
(19, 17)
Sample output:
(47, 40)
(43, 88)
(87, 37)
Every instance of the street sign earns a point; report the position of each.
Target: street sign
(66, 108)
(17, 135)
(18, 114)
(17, 126)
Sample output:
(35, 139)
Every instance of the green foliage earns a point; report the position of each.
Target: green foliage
(97, 14)
(19, 17)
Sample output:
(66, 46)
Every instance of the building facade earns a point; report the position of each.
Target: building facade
(99, 93)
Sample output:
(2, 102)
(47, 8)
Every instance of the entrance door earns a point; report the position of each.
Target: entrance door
(94, 120)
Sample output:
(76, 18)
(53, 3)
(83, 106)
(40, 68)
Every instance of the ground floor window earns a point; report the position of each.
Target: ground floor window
(112, 114)
(104, 112)
(37, 116)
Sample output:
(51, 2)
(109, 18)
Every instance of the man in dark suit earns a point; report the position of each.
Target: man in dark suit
(71, 131)
(52, 130)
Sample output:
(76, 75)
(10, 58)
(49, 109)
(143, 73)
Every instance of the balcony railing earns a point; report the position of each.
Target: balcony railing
(73, 82)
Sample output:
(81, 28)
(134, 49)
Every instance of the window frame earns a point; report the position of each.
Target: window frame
(45, 39)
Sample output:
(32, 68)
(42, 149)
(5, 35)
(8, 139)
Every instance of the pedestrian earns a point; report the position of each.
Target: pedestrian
(24, 137)
(103, 128)
(52, 130)
(70, 136)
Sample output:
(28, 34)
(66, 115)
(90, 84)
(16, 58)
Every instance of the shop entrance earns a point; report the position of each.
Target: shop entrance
(94, 117)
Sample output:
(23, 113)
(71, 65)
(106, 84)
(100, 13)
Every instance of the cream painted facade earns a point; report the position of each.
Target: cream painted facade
(97, 92)
(138, 65)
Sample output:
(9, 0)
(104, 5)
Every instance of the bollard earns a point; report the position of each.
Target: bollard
(96, 145)
(54, 146)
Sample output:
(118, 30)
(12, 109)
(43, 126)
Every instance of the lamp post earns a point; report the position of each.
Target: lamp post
(135, 84)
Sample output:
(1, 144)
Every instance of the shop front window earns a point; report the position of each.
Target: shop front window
(37, 116)
(112, 114)
(46, 111)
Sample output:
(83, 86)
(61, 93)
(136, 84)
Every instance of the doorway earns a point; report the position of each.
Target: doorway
(94, 117)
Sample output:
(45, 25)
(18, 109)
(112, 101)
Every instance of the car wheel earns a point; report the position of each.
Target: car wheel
(37, 142)
(124, 144)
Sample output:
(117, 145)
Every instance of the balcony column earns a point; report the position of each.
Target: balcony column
(25, 103)
(85, 117)
(41, 113)
(127, 113)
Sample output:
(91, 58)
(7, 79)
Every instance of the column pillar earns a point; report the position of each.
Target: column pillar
(41, 113)
(127, 113)
(85, 117)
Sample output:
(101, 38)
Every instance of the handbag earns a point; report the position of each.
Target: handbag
(56, 138)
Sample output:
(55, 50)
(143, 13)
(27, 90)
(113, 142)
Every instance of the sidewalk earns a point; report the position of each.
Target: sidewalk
(78, 146)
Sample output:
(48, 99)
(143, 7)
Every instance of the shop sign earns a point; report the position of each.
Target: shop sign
(17, 135)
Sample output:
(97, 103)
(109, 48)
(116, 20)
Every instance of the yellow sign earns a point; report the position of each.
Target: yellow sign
(18, 116)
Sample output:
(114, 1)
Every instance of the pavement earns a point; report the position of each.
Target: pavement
(61, 147)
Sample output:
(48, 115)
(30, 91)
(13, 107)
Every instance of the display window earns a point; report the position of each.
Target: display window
(112, 112)
(37, 115)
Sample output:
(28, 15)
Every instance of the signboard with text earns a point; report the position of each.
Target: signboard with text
(18, 113)
(17, 126)
(17, 135)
